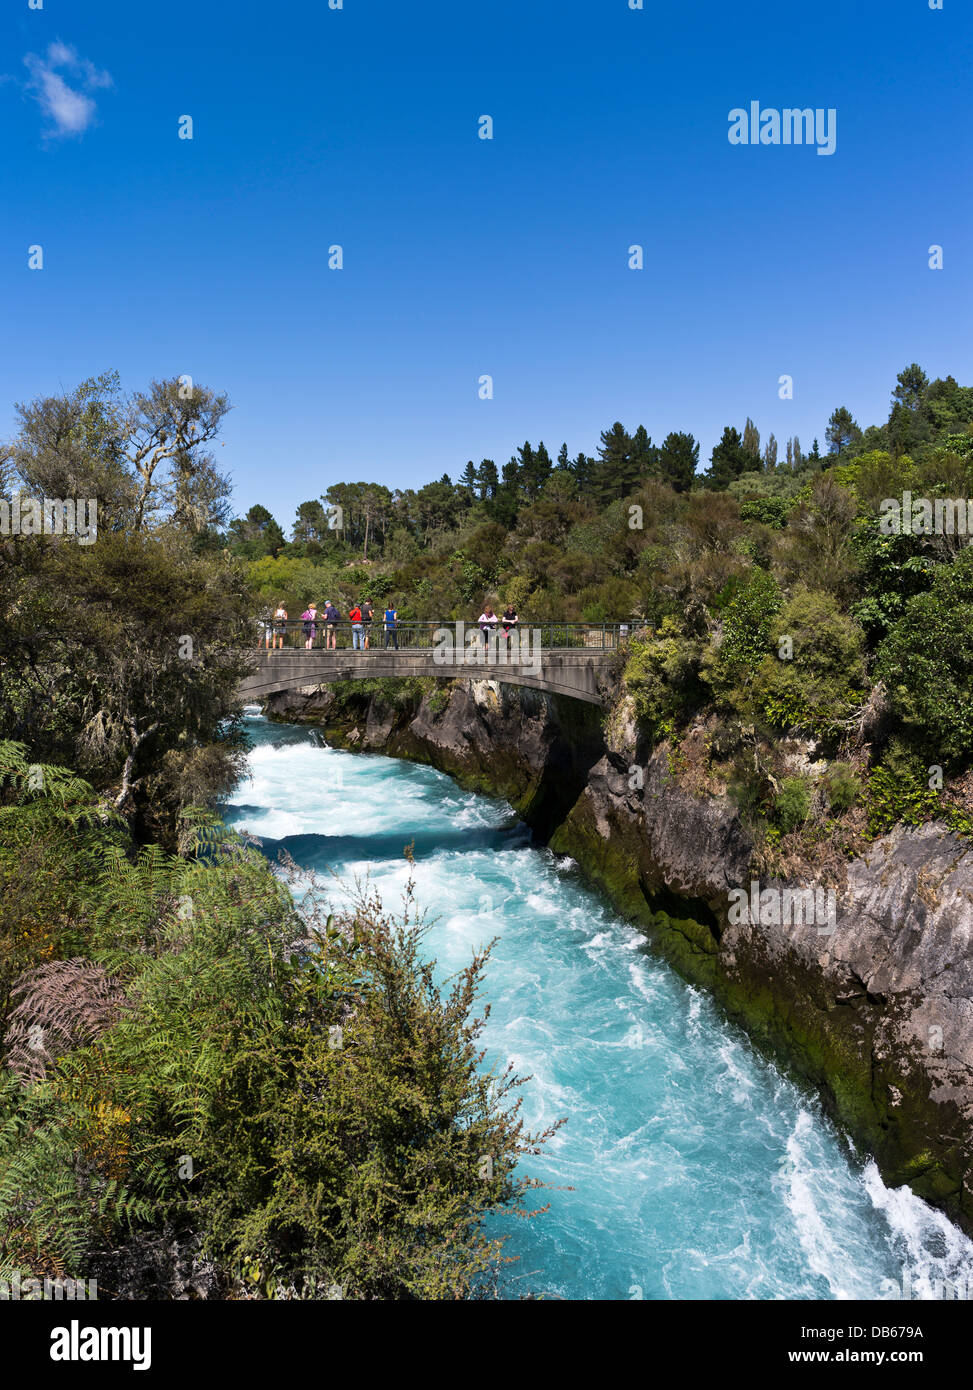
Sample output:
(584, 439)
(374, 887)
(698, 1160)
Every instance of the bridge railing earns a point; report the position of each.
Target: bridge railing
(294, 634)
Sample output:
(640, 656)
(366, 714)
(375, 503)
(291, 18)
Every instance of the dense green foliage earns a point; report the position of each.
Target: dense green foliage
(204, 1085)
(288, 1094)
(767, 592)
(926, 660)
(168, 1018)
(121, 657)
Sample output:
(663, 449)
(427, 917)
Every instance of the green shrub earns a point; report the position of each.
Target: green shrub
(899, 791)
(926, 661)
(771, 511)
(661, 675)
(824, 679)
(749, 624)
(842, 787)
(354, 1160)
(792, 804)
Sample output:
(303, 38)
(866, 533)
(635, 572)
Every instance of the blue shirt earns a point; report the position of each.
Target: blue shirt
(390, 617)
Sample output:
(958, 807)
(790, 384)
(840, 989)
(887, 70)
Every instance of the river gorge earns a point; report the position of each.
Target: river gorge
(691, 1164)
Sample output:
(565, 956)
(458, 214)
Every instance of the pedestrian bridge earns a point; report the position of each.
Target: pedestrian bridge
(578, 660)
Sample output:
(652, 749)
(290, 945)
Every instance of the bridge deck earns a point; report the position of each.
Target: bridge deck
(579, 672)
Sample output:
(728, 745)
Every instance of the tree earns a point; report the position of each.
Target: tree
(817, 545)
(911, 386)
(508, 493)
(770, 454)
(374, 504)
(584, 468)
(143, 457)
(926, 662)
(616, 476)
(468, 480)
(257, 533)
(364, 507)
(748, 630)
(535, 469)
(166, 430)
(645, 457)
(842, 431)
(122, 659)
(909, 426)
(310, 523)
(561, 486)
(488, 480)
(751, 439)
(125, 655)
(525, 469)
(678, 461)
(73, 445)
(729, 459)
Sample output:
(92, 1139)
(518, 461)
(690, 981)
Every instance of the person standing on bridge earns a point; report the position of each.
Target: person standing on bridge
(391, 625)
(310, 620)
(357, 636)
(508, 621)
(279, 626)
(367, 613)
(488, 622)
(332, 617)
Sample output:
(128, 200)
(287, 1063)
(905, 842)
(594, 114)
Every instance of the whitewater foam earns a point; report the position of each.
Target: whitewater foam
(698, 1170)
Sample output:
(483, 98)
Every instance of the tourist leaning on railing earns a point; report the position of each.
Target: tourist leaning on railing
(487, 621)
(309, 619)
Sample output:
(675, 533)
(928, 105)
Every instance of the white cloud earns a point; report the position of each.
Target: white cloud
(68, 106)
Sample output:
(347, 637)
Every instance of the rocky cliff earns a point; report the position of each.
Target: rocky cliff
(872, 1005)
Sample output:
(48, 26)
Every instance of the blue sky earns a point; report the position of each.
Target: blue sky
(462, 256)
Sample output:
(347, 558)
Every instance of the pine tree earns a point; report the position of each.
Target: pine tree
(507, 499)
(468, 480)
(645, 456)
(729, 459)
(583, 469)
(488, 480)
(259, 530)
(525, 467)
(535, 470)
(770, 454)
(842, 431)
(616, 476)
(678, 461)
(751, 439)
(562, 459)
(310, 523)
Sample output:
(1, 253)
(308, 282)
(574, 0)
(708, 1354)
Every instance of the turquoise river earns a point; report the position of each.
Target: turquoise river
(689, 1166)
